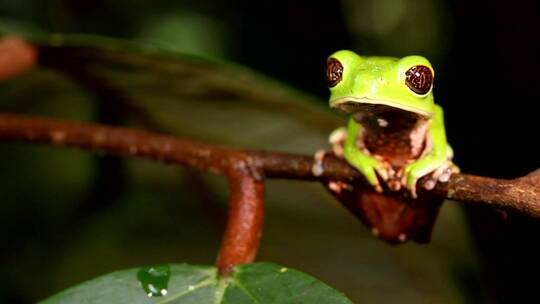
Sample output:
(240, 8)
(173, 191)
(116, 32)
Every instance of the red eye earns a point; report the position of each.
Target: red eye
(334, 72)
(419, 79)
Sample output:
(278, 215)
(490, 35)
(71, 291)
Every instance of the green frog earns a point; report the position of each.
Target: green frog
(395, 136)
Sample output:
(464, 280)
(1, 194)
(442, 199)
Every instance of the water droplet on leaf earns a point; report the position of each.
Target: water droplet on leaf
(154, 279)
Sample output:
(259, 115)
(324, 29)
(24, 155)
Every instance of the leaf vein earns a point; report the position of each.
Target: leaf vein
(202, 284)
(244, 289)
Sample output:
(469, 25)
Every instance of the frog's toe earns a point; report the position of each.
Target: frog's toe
(412, 191)
(409, 182)
(391, 178)
(338, 136)
(371, 177)
(436, 175)
(337, 139)
(430, 183)
(383, 170)
(441, 174)
(317, 169)
(410, 179)
(445, 176)
(394, 185)
(338, 151)
(319, 155)
(338, 186)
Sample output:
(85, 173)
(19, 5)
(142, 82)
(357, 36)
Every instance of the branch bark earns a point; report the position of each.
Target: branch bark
(246, 169)
(246, 212)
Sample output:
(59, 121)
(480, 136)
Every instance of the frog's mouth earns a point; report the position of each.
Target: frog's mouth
(354, 105)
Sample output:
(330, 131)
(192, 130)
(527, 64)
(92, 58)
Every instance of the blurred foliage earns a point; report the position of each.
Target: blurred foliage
(188, 32)
(399, 27)
(61, 226)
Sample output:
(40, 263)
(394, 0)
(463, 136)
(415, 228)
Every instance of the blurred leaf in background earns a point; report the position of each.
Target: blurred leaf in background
(399, 27)
(188, 32)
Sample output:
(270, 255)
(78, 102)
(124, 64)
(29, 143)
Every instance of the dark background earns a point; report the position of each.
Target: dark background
(485, 56)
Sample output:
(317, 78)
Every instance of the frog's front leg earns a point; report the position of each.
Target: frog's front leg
(344, 143)
(438, 161)
(366, 164)
(443, 173)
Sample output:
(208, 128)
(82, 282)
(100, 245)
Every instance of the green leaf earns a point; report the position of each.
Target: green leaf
(250, 283)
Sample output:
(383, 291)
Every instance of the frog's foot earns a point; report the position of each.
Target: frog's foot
(377, 186)
(337, 139)
(317, 168)
(394, 180)
(388, 174)
(439, 170)
(442, 175)
(372, 168)
(338, 186)
(385, 172)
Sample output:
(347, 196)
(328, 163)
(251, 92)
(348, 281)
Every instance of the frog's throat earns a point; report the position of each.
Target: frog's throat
(351, 105)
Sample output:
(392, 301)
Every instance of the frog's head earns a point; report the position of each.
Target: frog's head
(373, 84)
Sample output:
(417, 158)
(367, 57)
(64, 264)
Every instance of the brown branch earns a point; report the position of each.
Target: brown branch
(245, 171)
(519, 195)
(246, 213)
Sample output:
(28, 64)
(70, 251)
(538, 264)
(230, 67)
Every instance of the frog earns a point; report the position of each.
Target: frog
(394, 137)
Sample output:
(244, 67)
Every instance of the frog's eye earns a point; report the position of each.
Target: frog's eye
(334, 72)
(419, 79)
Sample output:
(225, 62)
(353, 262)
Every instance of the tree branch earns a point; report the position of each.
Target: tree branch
(246, 212)
(245, 171)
